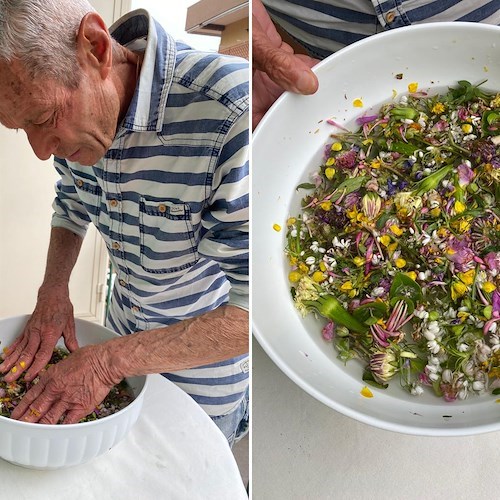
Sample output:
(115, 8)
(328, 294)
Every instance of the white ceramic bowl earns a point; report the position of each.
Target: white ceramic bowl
(39, 446)
(288, 145)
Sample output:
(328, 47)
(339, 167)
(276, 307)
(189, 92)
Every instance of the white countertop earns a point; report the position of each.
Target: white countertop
(174, 452)
(304, 449)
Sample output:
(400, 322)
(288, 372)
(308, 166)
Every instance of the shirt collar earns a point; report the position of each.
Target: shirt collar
(139, 32)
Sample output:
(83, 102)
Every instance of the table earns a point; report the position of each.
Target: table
(304, 449)
(174, 451)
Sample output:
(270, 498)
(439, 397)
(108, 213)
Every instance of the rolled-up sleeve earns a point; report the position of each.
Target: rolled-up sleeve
(69, 211)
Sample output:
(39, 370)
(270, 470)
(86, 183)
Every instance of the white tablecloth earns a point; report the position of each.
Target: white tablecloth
(304, 449)
(174, 451)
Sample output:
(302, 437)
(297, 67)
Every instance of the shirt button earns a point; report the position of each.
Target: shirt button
(162, 208)
(79, 182)
(390, 16)
(122, 282)
(115, 245)
(113, 203)
(135, 309)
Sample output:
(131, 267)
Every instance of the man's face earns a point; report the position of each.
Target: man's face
(76, 124)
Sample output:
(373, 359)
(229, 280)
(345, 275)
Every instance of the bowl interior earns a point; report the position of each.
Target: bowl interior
(87, 333)
(287, 147)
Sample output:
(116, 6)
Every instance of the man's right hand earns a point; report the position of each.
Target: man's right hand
(276, 67)
(32, 350)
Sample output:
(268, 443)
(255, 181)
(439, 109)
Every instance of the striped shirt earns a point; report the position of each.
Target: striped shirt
(324, 27)
(170, 198)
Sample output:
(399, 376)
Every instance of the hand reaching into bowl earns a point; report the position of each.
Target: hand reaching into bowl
(277, 67)
(31, 351)
(72, 387)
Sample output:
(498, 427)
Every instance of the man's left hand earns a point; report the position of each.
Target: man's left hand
(73, 388)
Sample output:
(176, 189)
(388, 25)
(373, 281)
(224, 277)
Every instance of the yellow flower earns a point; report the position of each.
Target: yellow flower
(294, 276)
(400, 263)
(385, 240)
(329, 172)
(462, 316)
(392, 248)
(412, 87)
(396, 230)
(303, 268)
(457, 290)
(459, 207)
(462, 225)
(489, 287)
(495, 103)
(336, 146)
(435, 212)
(318, 276)
(467, 128)
(357, 103)
(438, 108)
(277, 227)
(291, 221)
(346, 286)
(330, 162)
(326, 205)
(412, 275)
(376, 163)
(366, 392)
(359, 261)
(468, 277)
(322, 266)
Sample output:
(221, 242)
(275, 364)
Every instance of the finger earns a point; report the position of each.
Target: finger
(40, 361)
(12, 354)
(69, 335)
(22, 408)
(54, 414)
(16, 366)
(75, 415)
(290, 72)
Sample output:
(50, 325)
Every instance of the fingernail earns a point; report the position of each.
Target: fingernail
(306, 82)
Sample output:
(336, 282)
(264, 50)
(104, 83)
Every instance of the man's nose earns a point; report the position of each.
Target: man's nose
(43, 143)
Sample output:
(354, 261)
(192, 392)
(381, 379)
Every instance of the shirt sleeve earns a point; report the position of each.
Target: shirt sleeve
(226, 222)
(69, 211)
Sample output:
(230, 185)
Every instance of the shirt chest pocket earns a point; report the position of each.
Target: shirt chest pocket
(167, 237)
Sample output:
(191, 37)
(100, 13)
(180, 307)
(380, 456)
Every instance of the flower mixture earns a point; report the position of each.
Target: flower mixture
(398, 243)
(11, 393)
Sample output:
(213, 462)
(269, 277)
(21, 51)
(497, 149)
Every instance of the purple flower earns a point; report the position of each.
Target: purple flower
(328, 331)
(495, 301)
(465, 175)
(492, 260)
(347, 160)
(366, 119)
(461, 254)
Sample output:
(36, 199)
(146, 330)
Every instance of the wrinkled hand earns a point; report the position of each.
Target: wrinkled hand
(73, 388)
(278, 68)
(32, 350)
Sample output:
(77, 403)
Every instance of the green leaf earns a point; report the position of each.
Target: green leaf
(348, 186)
(404, 286)
(410, 304)
(305, 185)
(496, 391)
(370, 313)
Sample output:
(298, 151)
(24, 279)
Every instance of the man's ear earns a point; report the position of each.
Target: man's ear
(94, 45)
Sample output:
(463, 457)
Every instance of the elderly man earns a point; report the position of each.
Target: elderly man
(150, 139)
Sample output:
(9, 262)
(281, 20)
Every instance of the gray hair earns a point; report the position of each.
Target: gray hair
(41, 34)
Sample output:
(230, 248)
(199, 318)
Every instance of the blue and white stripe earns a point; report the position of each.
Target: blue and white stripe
(170, 198)
(323, 27)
